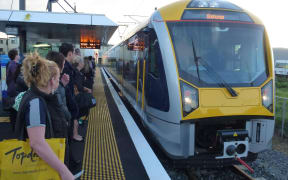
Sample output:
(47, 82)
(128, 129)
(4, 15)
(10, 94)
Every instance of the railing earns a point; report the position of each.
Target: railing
(282, 114)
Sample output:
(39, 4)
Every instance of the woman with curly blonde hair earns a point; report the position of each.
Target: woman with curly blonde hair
(42, 77)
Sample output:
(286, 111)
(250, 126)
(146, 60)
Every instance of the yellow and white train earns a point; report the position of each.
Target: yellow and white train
(200, 75)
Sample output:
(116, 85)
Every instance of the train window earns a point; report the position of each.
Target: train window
(154, 54)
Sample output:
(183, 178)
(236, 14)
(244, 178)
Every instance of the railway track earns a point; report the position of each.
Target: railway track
(241, 170)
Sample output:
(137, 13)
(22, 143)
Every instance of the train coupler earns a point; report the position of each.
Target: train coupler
(233, 143)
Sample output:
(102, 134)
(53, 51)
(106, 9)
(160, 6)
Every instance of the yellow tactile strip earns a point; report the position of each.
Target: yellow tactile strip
(101, 155)
(4, 119)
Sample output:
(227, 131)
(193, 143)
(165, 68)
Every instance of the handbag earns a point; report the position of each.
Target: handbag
(85, 100)
(19, 161)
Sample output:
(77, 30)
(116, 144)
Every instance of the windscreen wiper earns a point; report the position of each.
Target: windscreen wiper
(195, 59)
(215, 75)
(218, 78)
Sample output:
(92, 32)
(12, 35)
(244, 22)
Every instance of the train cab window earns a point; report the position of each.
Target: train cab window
(154, 54)
(156, 85)
(235, 52)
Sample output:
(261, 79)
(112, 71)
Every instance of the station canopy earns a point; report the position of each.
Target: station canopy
(75, 27)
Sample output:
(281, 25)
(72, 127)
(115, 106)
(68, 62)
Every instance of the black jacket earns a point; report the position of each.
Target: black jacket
(20, 84)
(80, 78)
(69, 90)
(89, 76)
(58, 126)
(68, 69)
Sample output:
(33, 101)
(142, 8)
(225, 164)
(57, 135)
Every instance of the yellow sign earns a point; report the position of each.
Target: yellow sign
(235, 134)
(19, 161)
(27, 17)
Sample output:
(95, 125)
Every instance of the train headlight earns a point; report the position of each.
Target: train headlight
(267, 96)
(189, 98)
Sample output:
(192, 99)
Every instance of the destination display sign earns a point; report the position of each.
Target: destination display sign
(90, 45)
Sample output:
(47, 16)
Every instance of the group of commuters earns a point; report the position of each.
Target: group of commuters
(44, 94)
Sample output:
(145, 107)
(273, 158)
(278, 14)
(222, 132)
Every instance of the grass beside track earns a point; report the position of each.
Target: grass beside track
(281, 91)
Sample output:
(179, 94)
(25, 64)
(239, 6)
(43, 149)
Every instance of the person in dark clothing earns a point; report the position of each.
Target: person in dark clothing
(80, 85)
(68, 51)
(10, 72)
(59, 59)
(88, 73)
(78, 65)
(92, 61)
(38, 110)
(20, 85)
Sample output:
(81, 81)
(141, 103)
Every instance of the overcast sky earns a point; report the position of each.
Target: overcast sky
(272, 13)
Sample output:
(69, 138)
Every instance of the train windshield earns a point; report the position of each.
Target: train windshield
(232, 52)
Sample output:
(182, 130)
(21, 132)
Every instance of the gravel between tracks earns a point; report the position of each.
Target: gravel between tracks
(272, 165)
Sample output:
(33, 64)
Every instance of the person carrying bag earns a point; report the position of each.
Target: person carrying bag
(36, 154)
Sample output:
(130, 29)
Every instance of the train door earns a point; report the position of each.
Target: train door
(156, 91)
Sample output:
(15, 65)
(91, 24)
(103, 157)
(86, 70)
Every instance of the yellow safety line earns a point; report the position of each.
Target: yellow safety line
(137, 81)
(88, 139)
(101, 155)
(4, 119)
(143, 83)
(94, 154)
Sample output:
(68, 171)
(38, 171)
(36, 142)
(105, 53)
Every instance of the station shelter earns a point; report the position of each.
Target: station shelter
(30, 31)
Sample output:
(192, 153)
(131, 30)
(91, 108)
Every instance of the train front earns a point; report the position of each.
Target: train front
(225, 69)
